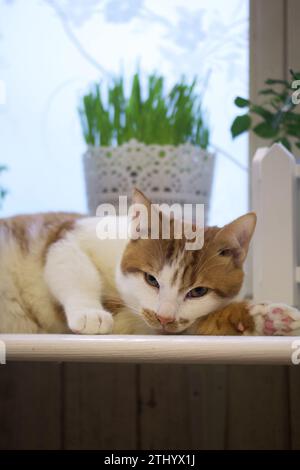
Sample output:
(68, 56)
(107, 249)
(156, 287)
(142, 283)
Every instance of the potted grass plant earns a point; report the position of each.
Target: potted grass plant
(152, 139)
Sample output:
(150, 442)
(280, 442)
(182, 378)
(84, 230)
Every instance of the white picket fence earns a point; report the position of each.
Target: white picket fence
(276, 267)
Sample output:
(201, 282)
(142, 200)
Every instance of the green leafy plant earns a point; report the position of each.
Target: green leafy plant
(157, 118)
(279, 120)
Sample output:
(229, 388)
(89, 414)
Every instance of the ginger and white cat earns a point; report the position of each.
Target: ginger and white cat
(57, 276)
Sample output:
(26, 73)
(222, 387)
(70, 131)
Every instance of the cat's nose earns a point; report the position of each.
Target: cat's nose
(164, 320)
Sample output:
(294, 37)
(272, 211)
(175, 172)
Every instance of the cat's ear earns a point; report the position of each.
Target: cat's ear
(139, 198)
(238, 235)
(140, 215)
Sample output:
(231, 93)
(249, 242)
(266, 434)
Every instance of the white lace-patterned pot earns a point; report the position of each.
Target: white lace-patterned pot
(181, 174)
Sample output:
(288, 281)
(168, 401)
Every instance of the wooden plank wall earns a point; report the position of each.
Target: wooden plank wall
(31, 406)
(120, 406)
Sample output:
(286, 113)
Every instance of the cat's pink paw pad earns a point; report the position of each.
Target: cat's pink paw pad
(269, 328)
(275, 319)
(278, 310)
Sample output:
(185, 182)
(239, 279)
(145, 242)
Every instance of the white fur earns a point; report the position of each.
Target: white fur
(78, 270)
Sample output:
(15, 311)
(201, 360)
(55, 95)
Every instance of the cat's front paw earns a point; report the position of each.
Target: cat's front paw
(275, 319)
(91, 321)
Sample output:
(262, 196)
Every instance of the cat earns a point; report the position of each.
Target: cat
(57, 276)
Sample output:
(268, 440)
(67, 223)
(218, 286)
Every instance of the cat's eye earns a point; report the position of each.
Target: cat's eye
(151, 280)
(196, 292)
(225, 252)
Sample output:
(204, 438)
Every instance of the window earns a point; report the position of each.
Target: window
(51, 50)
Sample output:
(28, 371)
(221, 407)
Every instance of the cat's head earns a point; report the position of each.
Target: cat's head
(171, 286)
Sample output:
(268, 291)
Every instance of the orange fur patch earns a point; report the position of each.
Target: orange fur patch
(113, 305)
(47, 228)
(233, 319)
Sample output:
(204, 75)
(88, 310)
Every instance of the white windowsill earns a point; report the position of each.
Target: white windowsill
(155, 349)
